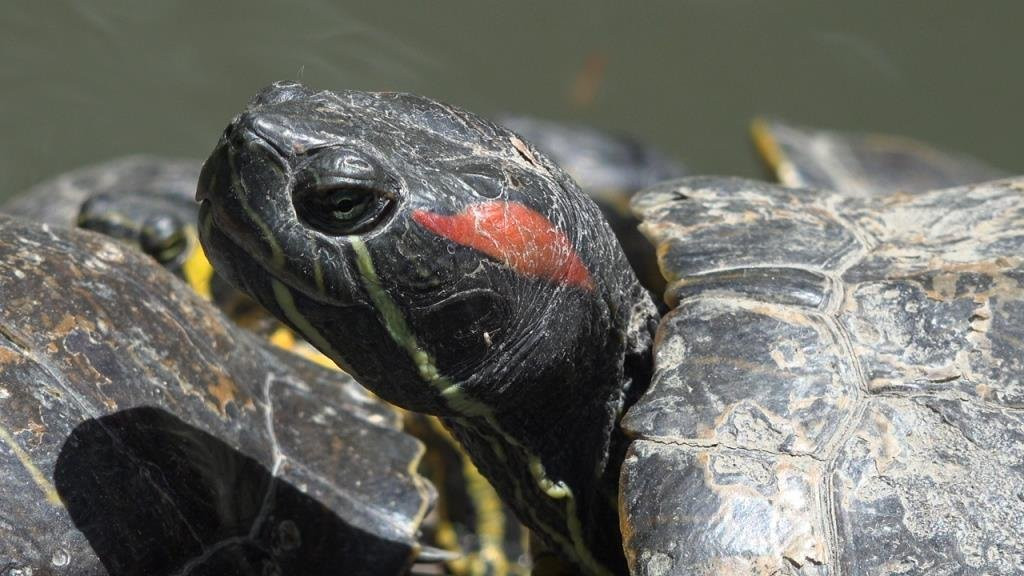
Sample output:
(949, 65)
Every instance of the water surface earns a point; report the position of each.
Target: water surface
(85, 81)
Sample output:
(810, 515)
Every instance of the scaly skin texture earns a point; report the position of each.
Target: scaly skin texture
(327, 208)
(610, 168)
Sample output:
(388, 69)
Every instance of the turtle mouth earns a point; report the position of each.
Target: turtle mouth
(227, 255)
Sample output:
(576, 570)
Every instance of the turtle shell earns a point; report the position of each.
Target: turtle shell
(861, 164)
(143, 433)
(838, 389)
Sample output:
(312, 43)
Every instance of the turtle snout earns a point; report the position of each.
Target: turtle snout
(213, 171)
(289, 134)
(247, 146)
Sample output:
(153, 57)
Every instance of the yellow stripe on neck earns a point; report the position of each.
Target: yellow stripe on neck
(402, 334)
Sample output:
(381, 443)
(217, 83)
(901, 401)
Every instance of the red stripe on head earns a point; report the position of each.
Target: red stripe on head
(515, 235)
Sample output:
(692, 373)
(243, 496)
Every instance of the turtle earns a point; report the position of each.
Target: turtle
(861, 164)
(836, 389)
(141, 432)
(610, 167)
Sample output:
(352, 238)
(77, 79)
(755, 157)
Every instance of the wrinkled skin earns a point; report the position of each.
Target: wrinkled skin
(453, 270)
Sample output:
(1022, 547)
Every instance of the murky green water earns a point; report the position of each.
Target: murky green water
(84, 81)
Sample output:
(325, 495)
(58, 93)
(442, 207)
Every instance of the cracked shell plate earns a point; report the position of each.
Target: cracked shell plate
(839, 387)
(142, 433)
(861, 164)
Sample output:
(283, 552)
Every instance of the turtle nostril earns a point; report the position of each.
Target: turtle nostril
(241, 128)
(249, 126)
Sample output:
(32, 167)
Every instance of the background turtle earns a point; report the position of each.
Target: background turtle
(142, 433)
(861, 164)
(838, 389)
(59, 200)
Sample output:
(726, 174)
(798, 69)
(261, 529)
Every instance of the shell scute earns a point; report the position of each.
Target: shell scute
(914, 353)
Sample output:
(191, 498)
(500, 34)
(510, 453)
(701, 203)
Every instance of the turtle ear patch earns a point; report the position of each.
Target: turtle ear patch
(515, 235)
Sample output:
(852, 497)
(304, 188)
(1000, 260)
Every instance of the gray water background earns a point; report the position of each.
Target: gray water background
(84, 81)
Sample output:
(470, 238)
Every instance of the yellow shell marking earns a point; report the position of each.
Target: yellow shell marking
(37, 475)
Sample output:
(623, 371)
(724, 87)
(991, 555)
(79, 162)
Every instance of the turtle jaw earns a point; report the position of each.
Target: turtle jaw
(229, 259)
(352, 336)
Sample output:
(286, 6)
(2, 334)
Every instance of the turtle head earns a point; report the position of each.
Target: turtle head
(453, 270)
(158, 226)
(428, 251)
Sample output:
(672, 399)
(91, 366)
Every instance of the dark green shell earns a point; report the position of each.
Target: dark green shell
(862, 164)
(839, 387)
(143, 433)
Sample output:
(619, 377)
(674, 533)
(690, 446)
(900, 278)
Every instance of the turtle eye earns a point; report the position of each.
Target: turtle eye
(163, 237)
(348, 204)
(342, 210)
(340, 193)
